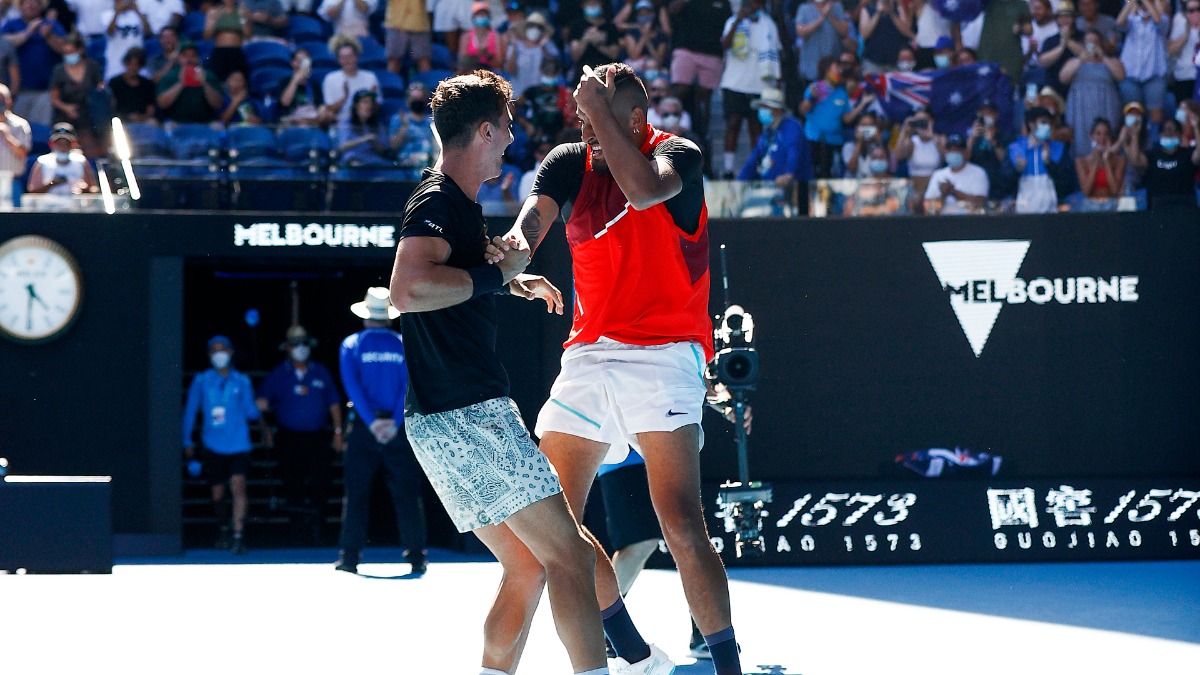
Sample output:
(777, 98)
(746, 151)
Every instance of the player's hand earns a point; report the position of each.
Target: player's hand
(533, 287)
(514, 262)
(494, 252)
(595, 89)
(747, 417)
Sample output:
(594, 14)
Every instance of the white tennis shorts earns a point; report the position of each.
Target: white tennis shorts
(609, 392)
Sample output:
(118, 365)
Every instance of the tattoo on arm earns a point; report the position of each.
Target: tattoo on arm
(531, 227)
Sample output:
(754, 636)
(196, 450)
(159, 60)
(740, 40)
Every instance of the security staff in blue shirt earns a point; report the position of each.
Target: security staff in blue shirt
(224, 400)
(375, 378)
(304, 398)
(781, 153)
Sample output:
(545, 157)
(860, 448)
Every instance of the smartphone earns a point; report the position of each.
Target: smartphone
(190, 77)
(920, 125)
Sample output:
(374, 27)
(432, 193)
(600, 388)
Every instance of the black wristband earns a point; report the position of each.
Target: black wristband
(485, 279)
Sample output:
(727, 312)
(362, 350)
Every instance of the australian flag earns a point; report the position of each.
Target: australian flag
(953, 96)
(959, 10)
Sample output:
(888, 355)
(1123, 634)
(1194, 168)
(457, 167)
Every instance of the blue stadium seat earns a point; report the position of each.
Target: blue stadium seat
(39, 137)
(265, 81)
(148, 140)
(391, 106)
(391, 85)
(442, 58)
(431, 77)
(192, 27)
(372, 56)
(153, 48)
(96, 47)
(305, 144)
(303, 28)
(249, 142)
(270, 168)
(321, 58)
(318, 75)
(205, 47)
(195, 141)
(267, 54)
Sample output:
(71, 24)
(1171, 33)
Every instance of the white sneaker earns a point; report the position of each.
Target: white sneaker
(655, 664)
(700, 651)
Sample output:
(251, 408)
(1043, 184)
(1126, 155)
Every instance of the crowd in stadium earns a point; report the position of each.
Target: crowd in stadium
(1036, 106)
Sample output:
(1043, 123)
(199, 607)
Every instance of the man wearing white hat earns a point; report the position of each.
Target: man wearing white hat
(375, 377)
(781, 153)
(305, 399)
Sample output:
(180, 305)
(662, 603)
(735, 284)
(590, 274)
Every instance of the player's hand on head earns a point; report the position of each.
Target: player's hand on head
(595, 89)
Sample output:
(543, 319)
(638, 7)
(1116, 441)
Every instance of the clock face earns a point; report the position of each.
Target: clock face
(40, 289)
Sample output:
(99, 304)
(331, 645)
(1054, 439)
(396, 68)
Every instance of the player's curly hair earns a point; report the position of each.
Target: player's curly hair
(461, 103)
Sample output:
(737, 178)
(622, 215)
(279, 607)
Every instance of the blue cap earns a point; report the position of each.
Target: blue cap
(219, 339)
(943, 43)
(956, 141)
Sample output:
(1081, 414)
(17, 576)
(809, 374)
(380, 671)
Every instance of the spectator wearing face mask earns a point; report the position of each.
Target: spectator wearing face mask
(547, 107)
(1092, 77)
(921, 148)
(410, 134)
(1170, 177)
(751, 43)
(668, 114)
(906, 60)
(646, 41)
(529, 46)
(64, 170)
(855, 153)
(931, 27)
(943, 54)
(1131, 140)
(1037, 158)
(987, 148)
(873, 196)
(781, 154)
(483, 42)
(1101, 171)
(824, 105)
(960, 187)
(308, 429)
(885, 27)
(223, 399)
(594, 40)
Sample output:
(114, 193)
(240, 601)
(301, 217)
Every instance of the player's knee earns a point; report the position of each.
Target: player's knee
(573, 555)
(685, 535)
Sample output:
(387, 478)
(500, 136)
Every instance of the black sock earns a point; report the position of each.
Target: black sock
(624, 636)
(724, 650)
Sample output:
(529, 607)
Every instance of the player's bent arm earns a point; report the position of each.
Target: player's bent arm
(421, 281)
(644, 181)
(538, 214)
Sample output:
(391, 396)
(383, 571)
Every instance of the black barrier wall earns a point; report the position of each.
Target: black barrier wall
(1066, 346)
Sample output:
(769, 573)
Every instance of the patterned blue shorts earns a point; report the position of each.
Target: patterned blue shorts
(481, 462)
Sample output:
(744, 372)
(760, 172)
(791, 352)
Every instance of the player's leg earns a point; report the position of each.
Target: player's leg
(673, 469)
(506, 629)
(549, 530)
(629, 562)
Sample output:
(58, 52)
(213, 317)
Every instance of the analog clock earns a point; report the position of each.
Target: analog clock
(40, 289)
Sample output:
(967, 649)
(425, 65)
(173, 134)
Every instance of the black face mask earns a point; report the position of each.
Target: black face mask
(417, 107)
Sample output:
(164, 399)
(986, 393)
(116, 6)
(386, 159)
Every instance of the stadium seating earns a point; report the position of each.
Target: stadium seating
(265, 54)
(431, 77)
(248, 142)
(265, 81)
(442, 58)
(391, 85)
(305, 144)
(319, 53)
(39, 137)
(192, 27)
(373, 56)
(303, 28)
(153, 48)
(196, 141)
(390, 106)
(148, 141)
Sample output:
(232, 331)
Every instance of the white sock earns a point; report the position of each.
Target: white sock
(598, 671)
(492, 671)
(729, 161)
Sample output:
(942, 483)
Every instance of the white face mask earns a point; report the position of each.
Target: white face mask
(301, 353)
(906, 66)
(220, 360)
(62, 157)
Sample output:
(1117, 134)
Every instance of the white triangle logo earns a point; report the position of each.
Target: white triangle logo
(959, 263)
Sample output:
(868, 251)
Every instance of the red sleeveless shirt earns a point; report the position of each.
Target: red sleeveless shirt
(639, 278)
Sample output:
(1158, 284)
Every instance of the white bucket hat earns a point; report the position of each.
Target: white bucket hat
(376, 306)
(771, 98)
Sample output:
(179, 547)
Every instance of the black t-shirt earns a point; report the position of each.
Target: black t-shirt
(561, 175)
(1170, 175)
(132, 99)
(1054, 69)
(452, 361)
(698, 26)
(592, 56)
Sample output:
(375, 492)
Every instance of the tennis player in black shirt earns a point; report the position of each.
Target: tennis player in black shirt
(465, 430)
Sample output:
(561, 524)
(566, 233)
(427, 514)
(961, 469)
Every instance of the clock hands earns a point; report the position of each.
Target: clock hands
(34, 296)
(29, 310)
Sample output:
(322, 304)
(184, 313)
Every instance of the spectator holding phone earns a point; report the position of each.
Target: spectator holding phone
(189, 93)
